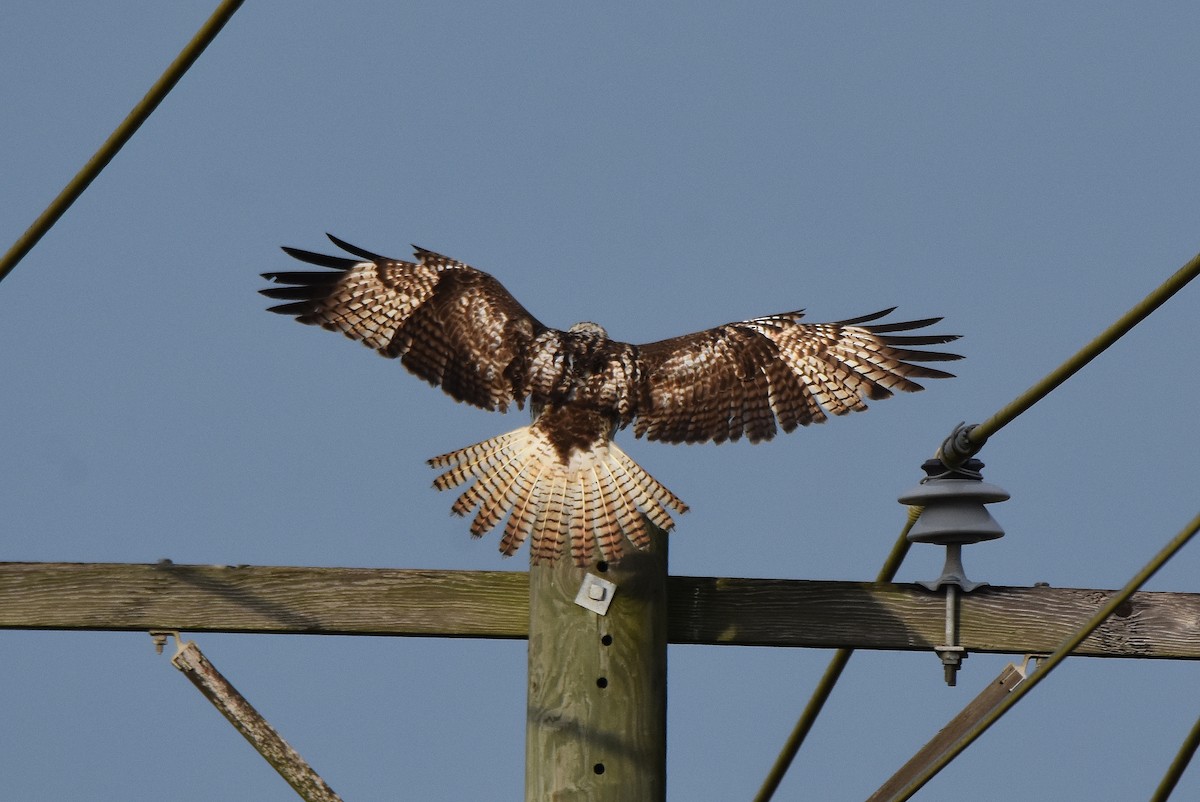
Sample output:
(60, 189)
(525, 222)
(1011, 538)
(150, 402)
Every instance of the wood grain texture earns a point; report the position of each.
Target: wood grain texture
(596, 725)
(495, 604)
(219, 598)
(877, 615)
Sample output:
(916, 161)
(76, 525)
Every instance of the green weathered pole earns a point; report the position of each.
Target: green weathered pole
(596, 724)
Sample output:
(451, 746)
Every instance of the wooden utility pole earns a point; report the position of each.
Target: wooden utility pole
(596, 723)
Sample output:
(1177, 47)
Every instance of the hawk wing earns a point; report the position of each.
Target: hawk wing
(447, 322)
(744, 378)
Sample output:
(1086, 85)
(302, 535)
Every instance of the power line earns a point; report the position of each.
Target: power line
(1175, 770)
(833, 673)
(117, 139)
(966, 442)
(963, 443)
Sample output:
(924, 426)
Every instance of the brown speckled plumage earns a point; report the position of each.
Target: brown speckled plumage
(562, 480)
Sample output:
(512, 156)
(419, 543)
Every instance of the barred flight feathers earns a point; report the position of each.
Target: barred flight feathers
(592, 501)
(447, 322)
(562, 481)
(743, 378)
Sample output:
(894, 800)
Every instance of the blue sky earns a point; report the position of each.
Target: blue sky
(1029, 171)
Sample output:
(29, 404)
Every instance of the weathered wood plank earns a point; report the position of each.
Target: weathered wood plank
(218, 598)
(871, 615)
(495, 604)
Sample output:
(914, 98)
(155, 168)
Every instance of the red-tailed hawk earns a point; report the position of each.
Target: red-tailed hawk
(562, 479)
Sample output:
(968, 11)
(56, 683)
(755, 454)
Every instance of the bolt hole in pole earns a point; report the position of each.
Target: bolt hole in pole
(606, 640)
(598, 768)
(602, 682)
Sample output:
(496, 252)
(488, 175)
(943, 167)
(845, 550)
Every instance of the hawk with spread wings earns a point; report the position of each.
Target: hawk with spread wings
(562, 480)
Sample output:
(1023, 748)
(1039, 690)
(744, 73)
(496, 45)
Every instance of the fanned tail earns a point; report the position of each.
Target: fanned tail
(594, 501)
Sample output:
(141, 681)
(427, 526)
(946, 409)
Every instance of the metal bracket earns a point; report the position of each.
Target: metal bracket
(1036, 659)
(595, 594)
(160, 639)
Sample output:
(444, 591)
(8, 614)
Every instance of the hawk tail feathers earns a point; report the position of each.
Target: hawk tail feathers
(594, 501)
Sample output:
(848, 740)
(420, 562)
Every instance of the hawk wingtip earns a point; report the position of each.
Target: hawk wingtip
(354, 250)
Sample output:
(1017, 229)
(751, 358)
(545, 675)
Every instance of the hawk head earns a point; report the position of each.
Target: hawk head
(592, 331)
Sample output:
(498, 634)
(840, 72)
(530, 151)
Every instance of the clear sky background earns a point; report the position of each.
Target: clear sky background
(1029, 170)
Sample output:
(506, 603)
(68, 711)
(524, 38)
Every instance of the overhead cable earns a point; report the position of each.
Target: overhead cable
(1175, 770)
(119, 137)
(966, 441)
(832, 673)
